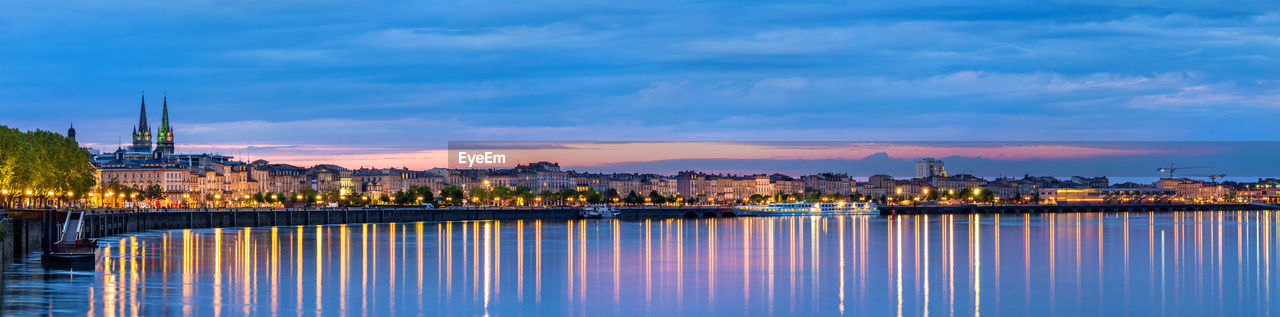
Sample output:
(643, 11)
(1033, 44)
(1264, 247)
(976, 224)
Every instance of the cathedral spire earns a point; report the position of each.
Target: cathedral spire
(142, 116)
(165, 140)
(142, 133)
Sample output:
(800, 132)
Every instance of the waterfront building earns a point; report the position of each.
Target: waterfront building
(958, 182)
(829, 183)
(1091, 182)
(1086, 196)
(1193, 190)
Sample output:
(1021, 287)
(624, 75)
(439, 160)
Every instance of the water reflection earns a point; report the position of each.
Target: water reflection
(1195, 263)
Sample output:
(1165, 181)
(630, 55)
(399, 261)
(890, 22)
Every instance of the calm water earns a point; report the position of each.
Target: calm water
(1138, 264)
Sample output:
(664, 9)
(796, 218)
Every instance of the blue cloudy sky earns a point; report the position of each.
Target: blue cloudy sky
(391, 82)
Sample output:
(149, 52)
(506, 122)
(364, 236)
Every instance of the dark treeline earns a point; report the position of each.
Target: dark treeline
(41, 168)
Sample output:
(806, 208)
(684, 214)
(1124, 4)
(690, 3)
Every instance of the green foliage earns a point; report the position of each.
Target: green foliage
(633, 198)
(592, 196)
(566, 194)
(656, 198)
(415, 195)
(479, 195)
(451, 195)
(42, 161)
(154, 192)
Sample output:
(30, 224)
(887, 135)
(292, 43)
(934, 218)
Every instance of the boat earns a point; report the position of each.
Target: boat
(598, 211)
(810, 208)
(71, 250)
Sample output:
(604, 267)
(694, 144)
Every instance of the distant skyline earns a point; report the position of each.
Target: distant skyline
(1122, 160)
(390, 83)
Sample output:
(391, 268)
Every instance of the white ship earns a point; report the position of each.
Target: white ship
(598, 211)
(811, 208)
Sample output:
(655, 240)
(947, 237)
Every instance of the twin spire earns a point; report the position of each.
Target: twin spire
(142, 132)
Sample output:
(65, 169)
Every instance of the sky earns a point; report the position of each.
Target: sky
(390, 83)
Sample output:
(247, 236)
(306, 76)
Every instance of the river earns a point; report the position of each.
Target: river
(1207, 263)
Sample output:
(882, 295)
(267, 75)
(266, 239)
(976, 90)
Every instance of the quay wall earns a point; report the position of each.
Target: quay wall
(106, 223)
(981, 209)
(18, 237)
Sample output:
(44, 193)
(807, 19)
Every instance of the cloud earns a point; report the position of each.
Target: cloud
(396, 78)
(487, 39)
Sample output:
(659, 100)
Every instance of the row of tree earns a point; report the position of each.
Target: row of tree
(34, 164)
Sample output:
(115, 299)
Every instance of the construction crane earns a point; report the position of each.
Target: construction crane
(1172, 168)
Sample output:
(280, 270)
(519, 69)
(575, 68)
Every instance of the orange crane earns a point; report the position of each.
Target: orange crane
(1173, 168)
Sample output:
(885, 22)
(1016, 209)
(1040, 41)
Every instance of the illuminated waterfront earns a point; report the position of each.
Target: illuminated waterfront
(1125, 263)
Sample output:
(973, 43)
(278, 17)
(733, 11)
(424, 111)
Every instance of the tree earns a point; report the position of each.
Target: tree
(501, 194)
(451, 195)
(154, 192)
(425, 193)
(756, 198)
(523, 193)
(611, 195)
(633, 198)
(402, 197)
(479, 195)
(42, 161)
(655, 197)
(592, 196)
(567, 193)
(547, 195)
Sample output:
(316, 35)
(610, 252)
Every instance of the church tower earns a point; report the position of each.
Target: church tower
(142, 133)
(71, 133)
(164, 141)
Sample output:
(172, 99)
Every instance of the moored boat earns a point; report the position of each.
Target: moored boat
(598, 211)
(810, 208)
(71, 250)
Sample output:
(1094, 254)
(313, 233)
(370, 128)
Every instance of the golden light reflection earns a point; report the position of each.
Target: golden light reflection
(319, 268)
(617, 262)
(420, 232)
(840, 245)
(217, 272)
(520, 260)
(344, 266)
(392, 264)
(648, 262)
(233, 287)
(298, 262)
(275, 270)
(537, 261)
